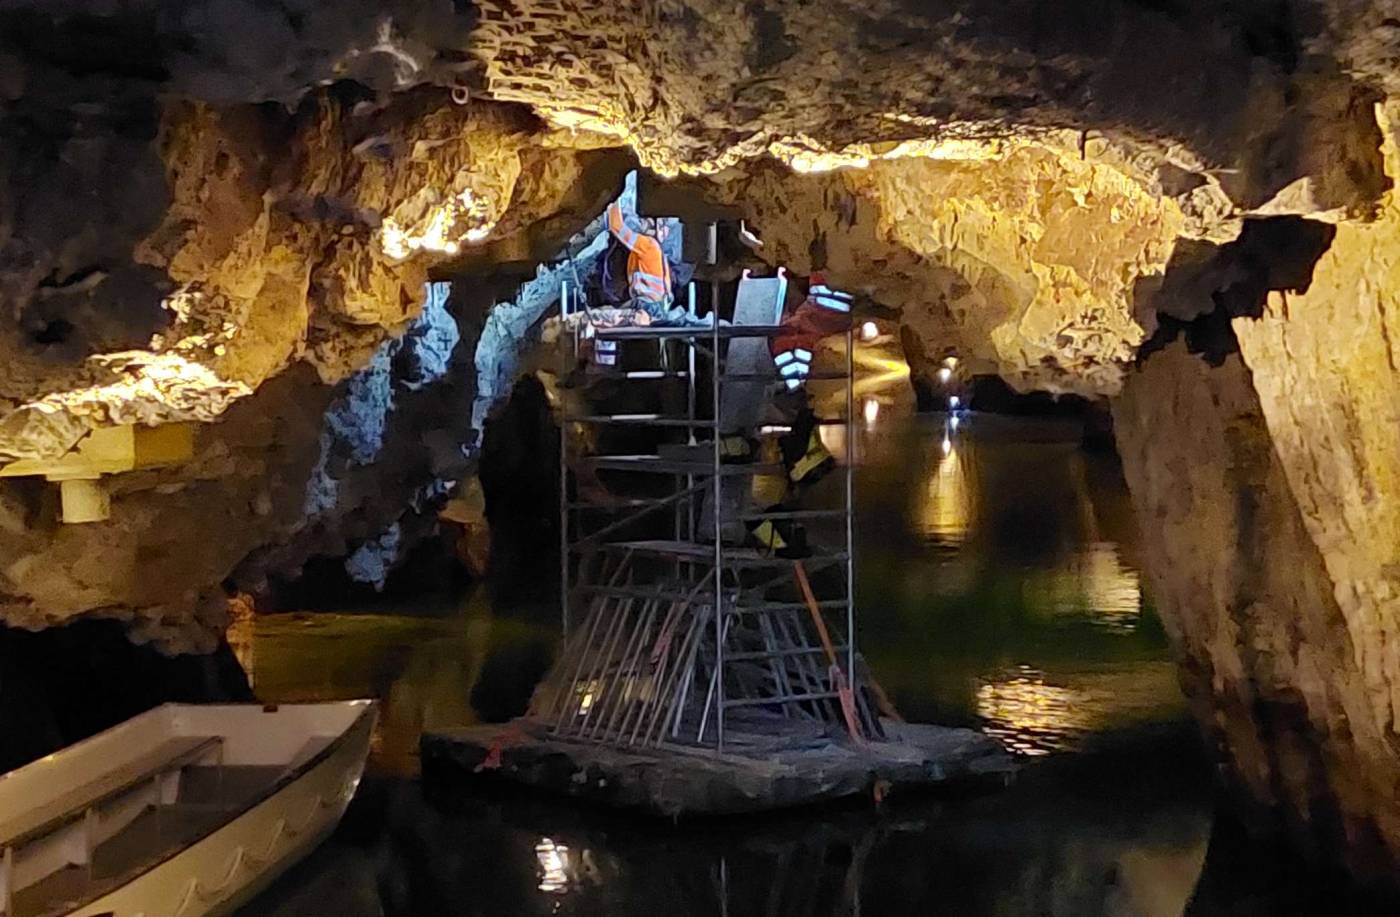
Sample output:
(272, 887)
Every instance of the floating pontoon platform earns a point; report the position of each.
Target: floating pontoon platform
(754, 774)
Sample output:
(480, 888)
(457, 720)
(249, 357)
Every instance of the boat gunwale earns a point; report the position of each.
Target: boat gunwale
(54, 823)
(98, 890)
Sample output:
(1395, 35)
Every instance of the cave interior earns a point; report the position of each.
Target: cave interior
(280, 280)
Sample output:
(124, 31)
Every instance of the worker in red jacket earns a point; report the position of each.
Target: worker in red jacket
(823, 313)
(804, 456)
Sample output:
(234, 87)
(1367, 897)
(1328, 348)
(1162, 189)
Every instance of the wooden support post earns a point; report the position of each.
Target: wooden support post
(90, 819)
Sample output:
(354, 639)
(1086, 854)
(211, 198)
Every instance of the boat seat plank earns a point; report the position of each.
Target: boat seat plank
(151, 837)
(43, 819)
(226, 785)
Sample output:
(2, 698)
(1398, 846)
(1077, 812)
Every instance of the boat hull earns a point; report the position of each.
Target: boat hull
(224, 869)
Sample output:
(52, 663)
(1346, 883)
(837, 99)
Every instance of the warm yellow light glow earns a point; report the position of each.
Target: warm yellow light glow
(803, 154)
(587, 695)
(875, 372)
(175, 379)
(576, 119)
(1022, 708)
(148, 388)
(949, 499)
(442, 230)
(945, 374)
(872, 410)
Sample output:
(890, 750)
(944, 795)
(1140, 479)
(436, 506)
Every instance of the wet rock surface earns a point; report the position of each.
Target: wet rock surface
(1262, 457)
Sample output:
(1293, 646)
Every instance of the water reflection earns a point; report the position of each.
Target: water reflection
(1035, 712)
(428, 672)
(945, 512)
(1074, 839)
(554, 866)
(998, 586)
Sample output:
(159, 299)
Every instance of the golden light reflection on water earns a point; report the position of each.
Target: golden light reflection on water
(1035, 713)
(947, 506)
(1023, 710)
(1096, 578)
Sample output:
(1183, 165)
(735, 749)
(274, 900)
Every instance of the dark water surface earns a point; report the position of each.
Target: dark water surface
(999, 584)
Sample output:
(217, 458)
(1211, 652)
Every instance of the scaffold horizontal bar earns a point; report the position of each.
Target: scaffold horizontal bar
(775, 654)
(798, 514)
(762, 608)
(780, 699)
(651, 332)
(628, 592)
(650, 420)
(655, 464)
(728, 554)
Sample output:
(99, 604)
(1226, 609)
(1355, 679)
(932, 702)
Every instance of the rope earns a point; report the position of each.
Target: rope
(195, 891)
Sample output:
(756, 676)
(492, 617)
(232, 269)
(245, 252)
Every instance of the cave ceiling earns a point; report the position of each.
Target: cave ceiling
(195, 196)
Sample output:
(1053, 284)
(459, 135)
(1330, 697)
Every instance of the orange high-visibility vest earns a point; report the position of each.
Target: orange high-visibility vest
(648, 271)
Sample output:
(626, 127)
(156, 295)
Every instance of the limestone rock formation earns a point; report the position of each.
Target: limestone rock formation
(1021, 257)
(174, 534)
(220, 240)
(283, 238)
(1267, 488)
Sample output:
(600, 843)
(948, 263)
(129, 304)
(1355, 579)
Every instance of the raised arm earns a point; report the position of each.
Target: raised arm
(618, 227)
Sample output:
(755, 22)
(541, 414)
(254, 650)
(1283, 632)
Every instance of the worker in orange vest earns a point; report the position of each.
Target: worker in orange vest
(649, 273)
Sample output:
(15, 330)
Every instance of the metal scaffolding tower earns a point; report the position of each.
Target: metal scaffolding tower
(684, 630)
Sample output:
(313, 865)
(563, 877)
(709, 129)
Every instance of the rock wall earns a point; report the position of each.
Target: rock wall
(1022, 258)
(221, 238)
(1263, 650)
(174, 534)
(1267, 487)
(241, 240)
(697, 86)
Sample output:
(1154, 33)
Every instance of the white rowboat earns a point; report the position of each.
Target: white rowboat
(182, 811)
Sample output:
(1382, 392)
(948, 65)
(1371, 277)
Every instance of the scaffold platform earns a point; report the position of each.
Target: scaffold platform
(704, 670)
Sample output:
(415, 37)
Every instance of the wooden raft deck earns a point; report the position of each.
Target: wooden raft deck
(755, 774)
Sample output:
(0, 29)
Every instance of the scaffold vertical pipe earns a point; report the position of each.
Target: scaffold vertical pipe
(850, 504)
(719, 556)
(692, 528)
(564, 467)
